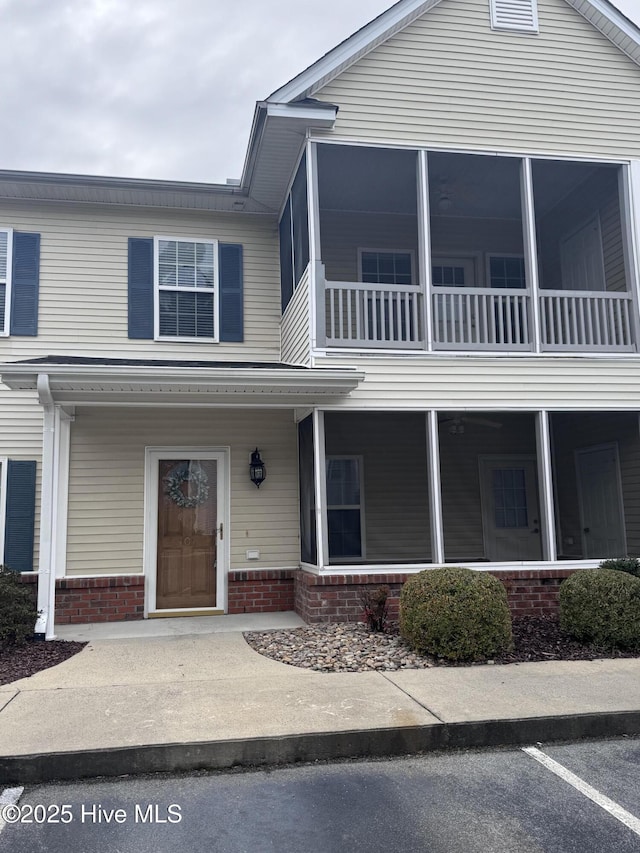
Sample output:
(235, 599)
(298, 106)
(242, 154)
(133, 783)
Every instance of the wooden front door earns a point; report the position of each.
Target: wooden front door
(187, 533)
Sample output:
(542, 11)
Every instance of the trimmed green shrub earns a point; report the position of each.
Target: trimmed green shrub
(622, 564)
(17, 609)
(455, 613)
(602, 607)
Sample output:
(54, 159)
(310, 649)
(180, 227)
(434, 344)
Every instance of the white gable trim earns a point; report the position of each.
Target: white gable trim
(604, 17)
(353, 48)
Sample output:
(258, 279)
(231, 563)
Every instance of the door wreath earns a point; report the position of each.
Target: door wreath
(196, 477)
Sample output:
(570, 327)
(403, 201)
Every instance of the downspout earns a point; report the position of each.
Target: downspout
(44, 628)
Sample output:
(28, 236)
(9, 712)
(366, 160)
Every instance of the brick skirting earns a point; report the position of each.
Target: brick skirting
(262, 591)
(338, 598)
(81, 600)
(316, 598)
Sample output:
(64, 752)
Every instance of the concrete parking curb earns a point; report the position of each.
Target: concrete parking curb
(324, 746)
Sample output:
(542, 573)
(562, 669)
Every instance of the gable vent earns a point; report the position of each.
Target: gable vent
(519, 15)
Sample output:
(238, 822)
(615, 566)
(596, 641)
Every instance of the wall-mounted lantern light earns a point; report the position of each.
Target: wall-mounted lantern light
(257, 470)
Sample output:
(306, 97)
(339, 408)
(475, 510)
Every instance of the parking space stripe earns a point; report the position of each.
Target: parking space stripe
(9, 797)
(625, 817)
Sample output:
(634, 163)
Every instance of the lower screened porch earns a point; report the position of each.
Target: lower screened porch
(404, 490)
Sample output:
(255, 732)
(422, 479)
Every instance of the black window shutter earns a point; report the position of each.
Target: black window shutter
(231, 292)
(141, 287)
(20, 515)
(25, 284)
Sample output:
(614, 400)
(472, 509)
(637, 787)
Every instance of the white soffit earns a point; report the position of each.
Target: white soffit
(604, 17)
(72, 384)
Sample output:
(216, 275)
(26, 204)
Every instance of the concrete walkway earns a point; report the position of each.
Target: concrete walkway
(185, 701)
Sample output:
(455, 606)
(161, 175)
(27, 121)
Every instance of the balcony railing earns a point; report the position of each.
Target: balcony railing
(481, 318)
(585, 320)
(374, 315)
(475, 318)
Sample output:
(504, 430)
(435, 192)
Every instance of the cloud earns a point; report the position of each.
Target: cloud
(152, 88)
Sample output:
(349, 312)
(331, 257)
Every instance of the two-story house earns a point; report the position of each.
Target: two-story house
(418, 310)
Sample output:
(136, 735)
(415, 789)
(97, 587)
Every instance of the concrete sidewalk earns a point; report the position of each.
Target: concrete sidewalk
(189, 701)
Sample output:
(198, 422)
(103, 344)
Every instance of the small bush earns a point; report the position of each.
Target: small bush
(602, 607)
(455, 613)
(374, 602)
(631, 565)
(17, 609)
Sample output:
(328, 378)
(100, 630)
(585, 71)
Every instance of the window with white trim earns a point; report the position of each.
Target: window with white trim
(518, 15)
(506, 271)
(186, 289)
(345, 507)
(382, 266)
(453, 272)
(5, 279)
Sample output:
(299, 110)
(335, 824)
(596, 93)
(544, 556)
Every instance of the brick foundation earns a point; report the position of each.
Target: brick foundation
(262, 591)
(339, 598)
(81, 600)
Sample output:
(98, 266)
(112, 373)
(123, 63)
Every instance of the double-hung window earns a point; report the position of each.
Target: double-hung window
(6, 241)
(186, 289)
(385, 267)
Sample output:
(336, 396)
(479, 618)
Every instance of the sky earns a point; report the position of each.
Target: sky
(156, 88)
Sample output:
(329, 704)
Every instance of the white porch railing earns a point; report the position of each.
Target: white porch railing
(374, 315)
(481, 318)
(476, 318)
(586, 320)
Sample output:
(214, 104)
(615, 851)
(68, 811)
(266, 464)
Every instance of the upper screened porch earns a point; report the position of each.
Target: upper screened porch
(390, 249)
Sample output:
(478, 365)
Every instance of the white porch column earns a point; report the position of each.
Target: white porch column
(64, 419)
(435, 488)
(424, 248)
(316, 269)
(545, 479)
(53, 505)
(320, 468)
(46, 577)
(530, 250)
(629, 187)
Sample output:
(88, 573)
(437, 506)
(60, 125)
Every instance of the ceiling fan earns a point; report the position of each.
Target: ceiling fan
(457, 422)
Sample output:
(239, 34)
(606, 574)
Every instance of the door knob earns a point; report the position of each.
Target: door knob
(535, 530)
(587, 530)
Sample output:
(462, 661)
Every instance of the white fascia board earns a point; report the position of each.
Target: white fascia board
(317, 380)
(354, 47)
(622, 32)
(320, 116)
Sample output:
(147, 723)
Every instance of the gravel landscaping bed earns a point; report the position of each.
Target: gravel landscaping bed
(21, 661)
(350, 647)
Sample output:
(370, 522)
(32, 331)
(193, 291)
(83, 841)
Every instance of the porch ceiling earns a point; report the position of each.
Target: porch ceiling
(181, 383)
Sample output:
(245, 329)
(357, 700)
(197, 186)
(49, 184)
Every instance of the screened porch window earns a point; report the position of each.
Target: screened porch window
(344, 507)
(186, 277)
(506, 271)
(378, 267)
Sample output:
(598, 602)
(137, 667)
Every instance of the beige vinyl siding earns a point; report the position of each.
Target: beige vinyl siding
(460, 476)
(343, 233)
(106, 488)
(446, 382)
(21, 438)
(396, 480)
(449, 80)
(571, 432)
(296, 329)
(83, 280)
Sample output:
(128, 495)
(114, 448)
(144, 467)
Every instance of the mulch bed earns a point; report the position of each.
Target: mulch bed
(31, 657)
